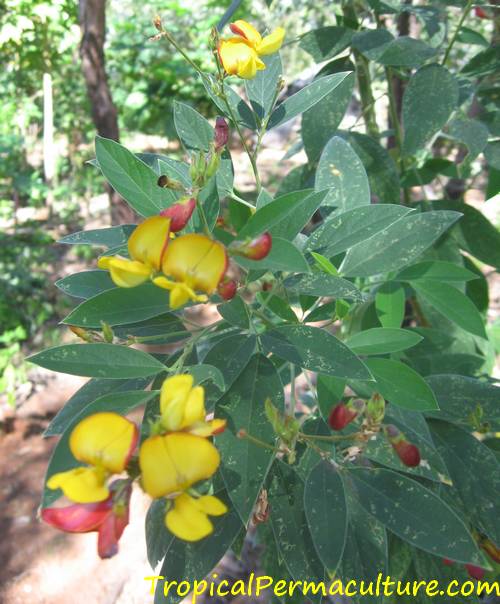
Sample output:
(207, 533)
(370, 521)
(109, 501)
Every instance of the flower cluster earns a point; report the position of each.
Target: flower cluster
(176, 456)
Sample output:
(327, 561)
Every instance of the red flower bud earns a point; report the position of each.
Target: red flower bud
(221, 134)
(340, 416)
(481, 13)
(180, 213)
(448, 562)
(255, 249)
(475, 572)
(227, 289)
(409, 454)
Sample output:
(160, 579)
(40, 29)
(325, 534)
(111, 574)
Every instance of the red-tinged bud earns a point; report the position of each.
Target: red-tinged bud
(448, 562)
(180, 213)
(409, 454)
(340, 416)
(227, 289)
(220, 222)
(254, 249)
(475, 572)
(481, 13)
(221, 135)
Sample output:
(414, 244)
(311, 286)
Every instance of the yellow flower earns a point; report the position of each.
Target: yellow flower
(146, 247)
(241, 55)
(105, 441)
(183, 407)
(195, 262)
(174, 462)
(188, 519)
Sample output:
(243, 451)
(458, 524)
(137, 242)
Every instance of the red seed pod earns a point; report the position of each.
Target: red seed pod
(227, 289)
(475, 572)
(221, 134)
(340, 416)
(255, 249)
(481, 13)
(409, 454)
(180, 213)
(448, 562)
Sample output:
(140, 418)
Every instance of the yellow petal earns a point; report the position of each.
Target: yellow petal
(174, 462)
(247, 68)
(211, 505)
(245, 30)
(194, 409)
(180, 293)
(173, 398)
(235, 53)
(215, 426)
(186, 521)
(81, 485)
(196, 260)
(124, 272)
(271, 43)
(148, 242)
(104, 439)
(104, 261)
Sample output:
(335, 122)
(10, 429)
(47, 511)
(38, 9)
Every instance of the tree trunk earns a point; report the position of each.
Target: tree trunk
(104, 115)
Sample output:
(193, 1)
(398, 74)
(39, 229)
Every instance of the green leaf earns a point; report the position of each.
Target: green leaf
(390, 301)
(326, 513)
(380, 167)
(243, 408)
(321, 284)
(98, 360)
(262, 90)
(401, 385)
(62, 459)
(320, 123)
(315, 349)
(203, 372)
(231, 355)
(92, 390)
(286, 498)
(381, 340)
(492, 154)
(284, 256)
(459, 396)
(136, 182)
(285, 216)
(120, 306)
(108, 237)
(452, 304)
(166, 325)
(235, 312)
(414, 513)
(158, 539)
(472, 133)
(474, 470)
(341, 172)
(397, 245)
(429, 99)
(435, 270)
(380, 46)
(345, 230)
(85, 284)
(193, 129)
(326, 42)
(475, 234)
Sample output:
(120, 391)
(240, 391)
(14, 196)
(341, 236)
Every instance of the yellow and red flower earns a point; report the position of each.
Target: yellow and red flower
(241, 54)
(146, 247)
(180, 213)
(192, 263)
(182, 408)
(108, 518)
(105, 441)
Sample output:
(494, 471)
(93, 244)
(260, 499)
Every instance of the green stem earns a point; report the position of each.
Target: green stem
(366, 94)
(467, 10)
(256, 441)
(332, 438)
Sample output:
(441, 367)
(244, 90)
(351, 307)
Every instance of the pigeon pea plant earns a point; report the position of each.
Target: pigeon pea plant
(351, 417)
